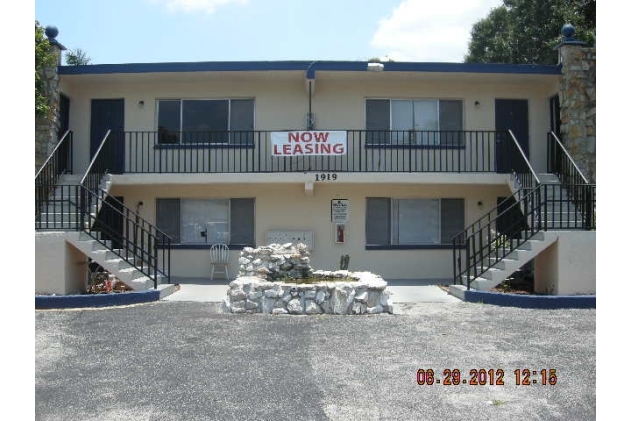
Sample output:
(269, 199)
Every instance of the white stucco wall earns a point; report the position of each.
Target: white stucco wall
(59, 267)
(568, 267)
(286, 206)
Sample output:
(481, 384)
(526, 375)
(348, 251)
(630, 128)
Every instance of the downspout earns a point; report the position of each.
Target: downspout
(310, 116)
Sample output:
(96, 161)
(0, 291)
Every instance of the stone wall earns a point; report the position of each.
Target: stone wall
(46, 127)
(275, 261)
(577, 97)
(367, 295)
(265, 285)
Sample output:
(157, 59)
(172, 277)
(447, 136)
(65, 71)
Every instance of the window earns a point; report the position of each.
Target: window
(413, 222)
(414, 122)
(207, 221)
(219, 121)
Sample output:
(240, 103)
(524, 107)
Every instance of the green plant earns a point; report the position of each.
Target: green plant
(497, 402)
(77, 57)
(344, 259)
(44, 58)
(500, 242)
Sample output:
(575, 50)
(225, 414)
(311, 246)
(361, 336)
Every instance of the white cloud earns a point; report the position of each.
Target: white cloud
(432, 31)
(207, 6)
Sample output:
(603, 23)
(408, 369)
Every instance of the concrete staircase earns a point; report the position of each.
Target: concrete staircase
(60, 214)
(111, 261)
(505, 267)
(559, 211)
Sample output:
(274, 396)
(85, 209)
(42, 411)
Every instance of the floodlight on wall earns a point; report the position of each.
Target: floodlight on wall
(477, 104)
(375, 67)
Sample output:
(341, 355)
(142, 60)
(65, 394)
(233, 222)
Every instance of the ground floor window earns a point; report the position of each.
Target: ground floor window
(413, 222)
(200, 222)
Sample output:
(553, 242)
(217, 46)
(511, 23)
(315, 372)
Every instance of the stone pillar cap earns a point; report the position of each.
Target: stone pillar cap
(568, 31)
(51, 32)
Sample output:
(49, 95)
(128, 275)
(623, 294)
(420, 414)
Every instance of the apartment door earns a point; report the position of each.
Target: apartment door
(109, 114)
(510, 114)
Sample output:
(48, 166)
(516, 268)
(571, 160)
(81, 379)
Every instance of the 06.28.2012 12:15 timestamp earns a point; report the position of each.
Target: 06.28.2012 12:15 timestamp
(482, 377)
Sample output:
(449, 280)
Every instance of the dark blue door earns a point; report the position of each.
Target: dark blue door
(108, 114)
(511, 114)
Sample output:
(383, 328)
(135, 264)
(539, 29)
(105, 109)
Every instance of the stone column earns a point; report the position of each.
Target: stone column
(46, 127)
(577, 97)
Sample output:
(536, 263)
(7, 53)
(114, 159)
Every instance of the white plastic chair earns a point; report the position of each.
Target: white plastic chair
(219, 256)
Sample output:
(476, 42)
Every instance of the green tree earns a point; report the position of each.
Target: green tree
(44, 57)
(526, 31)
(77, 57)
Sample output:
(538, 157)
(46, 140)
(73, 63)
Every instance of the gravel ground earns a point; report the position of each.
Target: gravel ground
(188, 361)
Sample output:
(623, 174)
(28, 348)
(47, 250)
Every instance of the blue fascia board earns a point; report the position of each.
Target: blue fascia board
(309, 67)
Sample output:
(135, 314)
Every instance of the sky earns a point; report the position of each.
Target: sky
(133, 31)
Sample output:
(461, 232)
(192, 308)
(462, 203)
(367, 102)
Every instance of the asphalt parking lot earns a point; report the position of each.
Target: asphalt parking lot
(188, 361)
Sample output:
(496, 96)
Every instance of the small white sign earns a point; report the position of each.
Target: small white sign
(339, 210)
(308, 143)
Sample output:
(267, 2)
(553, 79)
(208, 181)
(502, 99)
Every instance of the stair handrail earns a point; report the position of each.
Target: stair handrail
(145, 250)
(491, 240)
(533, 174)
(558, 142)
(581, 192)
(68, 135)
(92, 193)
(96, 156)
(47, 176)
(103, 194)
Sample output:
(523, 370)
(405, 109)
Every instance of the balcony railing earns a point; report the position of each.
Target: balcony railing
(144, 152)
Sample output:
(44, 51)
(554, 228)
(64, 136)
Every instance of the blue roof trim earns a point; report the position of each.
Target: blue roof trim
(309, 67)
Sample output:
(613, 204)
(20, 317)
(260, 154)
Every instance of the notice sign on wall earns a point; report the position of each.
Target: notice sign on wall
(339, 210)
(308, 143)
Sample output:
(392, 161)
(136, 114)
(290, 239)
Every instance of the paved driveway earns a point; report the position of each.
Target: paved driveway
(187, 361)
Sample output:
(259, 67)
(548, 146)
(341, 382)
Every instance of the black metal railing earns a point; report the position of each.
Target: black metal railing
(501, 231)
(365, 151)
(102, 160)
(525, 176)
(486, 242)
(121, 230)
(561, 163)
(58, 162)
(130, 236)
(563, 166)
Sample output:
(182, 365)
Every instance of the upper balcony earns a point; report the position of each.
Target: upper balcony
(351, 151)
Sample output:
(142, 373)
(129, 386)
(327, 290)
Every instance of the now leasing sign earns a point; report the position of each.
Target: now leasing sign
(308, 143)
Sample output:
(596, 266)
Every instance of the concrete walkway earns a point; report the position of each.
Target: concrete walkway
(403, 291)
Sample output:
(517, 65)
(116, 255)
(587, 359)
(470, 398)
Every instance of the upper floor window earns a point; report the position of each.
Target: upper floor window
(221, 121)
(434, 122)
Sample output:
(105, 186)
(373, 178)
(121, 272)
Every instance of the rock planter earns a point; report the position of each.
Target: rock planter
(260, 291)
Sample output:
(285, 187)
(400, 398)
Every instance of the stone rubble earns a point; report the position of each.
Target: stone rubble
(262, 291)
